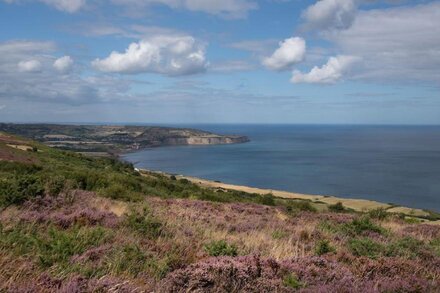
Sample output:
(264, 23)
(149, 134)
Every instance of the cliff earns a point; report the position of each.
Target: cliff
(114, 139)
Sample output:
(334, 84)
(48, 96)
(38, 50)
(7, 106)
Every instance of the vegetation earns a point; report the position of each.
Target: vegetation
(221, 248)
(70, 223)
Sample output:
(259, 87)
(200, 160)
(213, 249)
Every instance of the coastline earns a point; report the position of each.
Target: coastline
(358, 205)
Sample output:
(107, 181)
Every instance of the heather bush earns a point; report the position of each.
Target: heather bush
(144, 223)
(365, 247)
(323, 247)
(221, 248)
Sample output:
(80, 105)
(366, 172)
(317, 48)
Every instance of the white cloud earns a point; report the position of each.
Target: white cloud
(331, 72)
(331, 14)
(169, 55)
(290, 52)
(226, 8)
(29, 66)
(63, 64)
(399, 43)
(2, 107)
(63, 5)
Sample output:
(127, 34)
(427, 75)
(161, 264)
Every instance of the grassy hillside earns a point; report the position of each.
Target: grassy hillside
(70, 223)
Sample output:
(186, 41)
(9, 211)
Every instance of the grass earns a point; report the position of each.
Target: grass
(144, 224)
(52, 246)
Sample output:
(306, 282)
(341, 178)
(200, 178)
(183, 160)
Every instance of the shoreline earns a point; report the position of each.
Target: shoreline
(358, 205)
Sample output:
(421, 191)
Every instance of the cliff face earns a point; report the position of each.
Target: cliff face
(206, 140)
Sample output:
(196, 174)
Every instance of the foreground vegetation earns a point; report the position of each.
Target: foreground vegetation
(69, 223)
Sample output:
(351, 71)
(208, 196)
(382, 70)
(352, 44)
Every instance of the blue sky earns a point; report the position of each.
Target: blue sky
(229, 61)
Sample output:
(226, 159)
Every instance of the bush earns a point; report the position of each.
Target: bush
(365, 247)
(18, 189)
(299, 205)
(380, 214)
(292, 281)
(267, 200)
(53, 246)
(337, 207)
(360, 225)
(55, 185)
(406, 247)
(221, 248)
(145, 224)
(323, 247)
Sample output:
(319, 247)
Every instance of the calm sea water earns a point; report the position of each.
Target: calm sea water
(396, 164)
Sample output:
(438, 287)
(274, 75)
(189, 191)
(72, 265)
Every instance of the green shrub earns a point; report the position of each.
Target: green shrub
(365, 247)
(55, 185)
(221, 248)
(18, 189)
(292, 281)
(323, 247)
(337, 207)
(267, 199)
(53, 246)
(380, 214)
(299, 205)
(60, 245)
(145, 224)
(360, 225)
(406, 247)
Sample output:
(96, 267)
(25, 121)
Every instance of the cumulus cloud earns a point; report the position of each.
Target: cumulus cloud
(169, 55)
(331, 14)
(29, 66)
(398, 43)
(63, 64)
(63, 5)
(226, 8)
(330, 72)
(290, 52)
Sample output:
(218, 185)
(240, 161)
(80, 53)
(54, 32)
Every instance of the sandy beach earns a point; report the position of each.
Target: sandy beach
(359, 205)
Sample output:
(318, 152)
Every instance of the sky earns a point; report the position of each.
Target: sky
(220, 61)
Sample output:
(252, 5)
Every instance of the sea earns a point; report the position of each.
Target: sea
(391, 164)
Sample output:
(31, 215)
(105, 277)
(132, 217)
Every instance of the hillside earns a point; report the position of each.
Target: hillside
(70, 223)
(115, 139)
